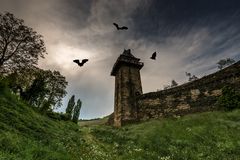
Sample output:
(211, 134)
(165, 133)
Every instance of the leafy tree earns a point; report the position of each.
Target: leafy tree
(76, 111)
(51, 87)
(70, 106)
(46, 106)
(174, 83)
(36, 92)
(20, 46)
(56, 85)
(20, 81)
(20, 49)
(225, 62)
(37, 86)
(188, 74)
(191, 77)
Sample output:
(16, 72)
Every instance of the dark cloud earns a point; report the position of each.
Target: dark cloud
(74, 13)
(173, 17)
(188, 35)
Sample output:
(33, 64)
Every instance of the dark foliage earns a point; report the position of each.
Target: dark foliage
(230, 98)
(57, 116)
(191, 77)
(225, 62)
(76, 111)
(70, 106)
(20, 45)
(41, 88)
(174, 83)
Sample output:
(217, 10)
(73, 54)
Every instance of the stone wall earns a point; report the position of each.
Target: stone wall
(196, 96)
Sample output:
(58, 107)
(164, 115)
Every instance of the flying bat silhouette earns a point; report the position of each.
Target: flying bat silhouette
(80, 63)
(120, 28)
(154, 56)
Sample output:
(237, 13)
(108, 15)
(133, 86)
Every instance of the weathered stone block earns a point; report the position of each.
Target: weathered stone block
(216, 92)
(195, 93)
(183, 106)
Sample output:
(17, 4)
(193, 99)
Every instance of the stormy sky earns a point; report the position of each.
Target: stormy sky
(188, 35)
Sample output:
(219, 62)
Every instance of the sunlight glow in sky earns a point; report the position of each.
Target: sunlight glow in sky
(64, 55)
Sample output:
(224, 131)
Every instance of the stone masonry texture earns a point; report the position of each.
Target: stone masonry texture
(131, 105)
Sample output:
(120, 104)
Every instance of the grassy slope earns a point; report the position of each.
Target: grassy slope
(26, 135)
(100, 121)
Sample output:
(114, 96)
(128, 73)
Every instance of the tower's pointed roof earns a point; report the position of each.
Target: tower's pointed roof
(128, 59)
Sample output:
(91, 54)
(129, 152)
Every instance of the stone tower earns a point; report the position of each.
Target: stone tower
(127, 86)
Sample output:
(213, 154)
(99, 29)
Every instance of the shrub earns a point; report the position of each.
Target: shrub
(57, 116)
(230, 98)
(2, 83)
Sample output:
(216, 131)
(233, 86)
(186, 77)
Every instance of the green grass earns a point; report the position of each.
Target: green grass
(202, 136)
(100, 121)
(27, 135)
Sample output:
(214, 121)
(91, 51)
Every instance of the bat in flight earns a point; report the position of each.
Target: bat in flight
(153, 57)
(80, 63)
(120, 28)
